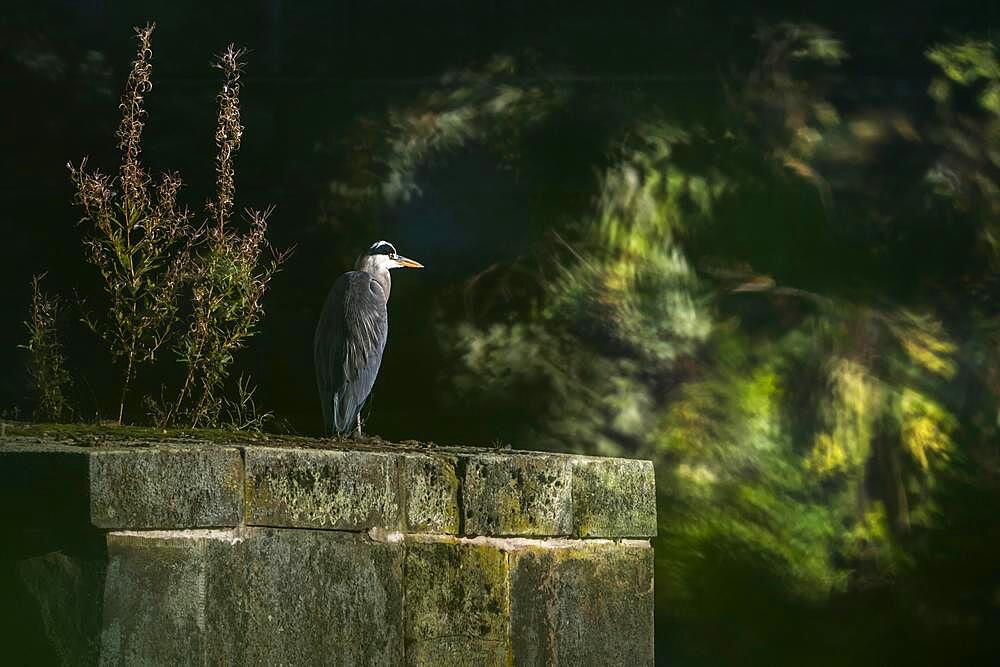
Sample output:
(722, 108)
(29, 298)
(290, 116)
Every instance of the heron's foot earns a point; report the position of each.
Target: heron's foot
(358, 431)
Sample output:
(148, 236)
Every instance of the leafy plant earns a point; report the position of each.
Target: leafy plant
(137, 237)
(169, 282)
(229, 272)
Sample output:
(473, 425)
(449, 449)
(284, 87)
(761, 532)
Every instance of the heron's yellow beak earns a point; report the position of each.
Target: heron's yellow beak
(408, 263)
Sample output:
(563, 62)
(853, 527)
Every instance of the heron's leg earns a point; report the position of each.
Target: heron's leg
(359, 425)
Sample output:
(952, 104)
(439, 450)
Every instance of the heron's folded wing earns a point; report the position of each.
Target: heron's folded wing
(349, 342)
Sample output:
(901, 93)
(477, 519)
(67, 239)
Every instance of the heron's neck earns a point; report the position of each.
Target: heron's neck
(377, 271)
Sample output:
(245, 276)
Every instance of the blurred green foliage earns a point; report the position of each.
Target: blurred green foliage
(486, 104)
(809, 439)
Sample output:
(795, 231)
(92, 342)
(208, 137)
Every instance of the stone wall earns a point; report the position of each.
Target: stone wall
(175, 554)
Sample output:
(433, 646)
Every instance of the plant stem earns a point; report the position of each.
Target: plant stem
(125, 383)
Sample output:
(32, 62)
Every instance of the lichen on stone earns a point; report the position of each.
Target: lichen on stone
(457, 604)
(430, 486)
(321, 489)
(517, 495)
(614, 498)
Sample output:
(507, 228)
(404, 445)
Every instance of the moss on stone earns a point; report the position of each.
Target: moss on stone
(290, 594)
(591, 604)
(614, 498)
(321, 489)
(457, 604)
(517, 495)
(430, 486)
(112, 434)
(174, 483)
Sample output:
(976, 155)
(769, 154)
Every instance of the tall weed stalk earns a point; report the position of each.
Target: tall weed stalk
(197, 289)
(47, 362)
(230, 272)
(137, 236)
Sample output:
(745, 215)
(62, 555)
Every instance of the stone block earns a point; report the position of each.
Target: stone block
(225, 613)
(456, 610)
(308, 488)
(322, 598)
(614, 498)
(162, 488)
(50, 609)
(519, 494)
(430, 488)
(156, 597)
(582, 604)
(259, 596)
(296, 555)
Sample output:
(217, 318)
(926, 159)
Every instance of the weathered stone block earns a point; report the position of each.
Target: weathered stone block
(225, 614)
(430, 488)
(322, 598)
(387, 581)
(156, 602)
(64, 591)
(149, 488)
(518, 495)
(457, 605)
(304, 488)
(582, 604)
(614, 498)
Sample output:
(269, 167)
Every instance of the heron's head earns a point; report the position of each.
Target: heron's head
(382, 256)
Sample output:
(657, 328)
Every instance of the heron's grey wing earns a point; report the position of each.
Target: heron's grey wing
(348, 346)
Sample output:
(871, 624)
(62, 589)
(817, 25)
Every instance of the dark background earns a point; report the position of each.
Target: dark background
(313, 69)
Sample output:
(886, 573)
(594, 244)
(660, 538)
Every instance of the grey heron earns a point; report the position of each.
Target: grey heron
(350, 336)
